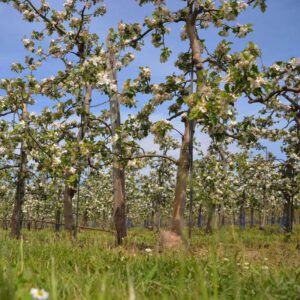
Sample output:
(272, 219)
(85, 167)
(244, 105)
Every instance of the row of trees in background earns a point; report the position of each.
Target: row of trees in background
(250, 192)
(77, 157)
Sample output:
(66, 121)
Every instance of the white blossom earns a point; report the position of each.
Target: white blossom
(26, 42)
(72, 170)
(121, 27)
(276, 67)
(258, 82)
(39, 294)
(242, 5)
(146, 72)
(56, 161)
(68, 3)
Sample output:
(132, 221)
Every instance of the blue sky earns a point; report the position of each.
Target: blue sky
(276, 32)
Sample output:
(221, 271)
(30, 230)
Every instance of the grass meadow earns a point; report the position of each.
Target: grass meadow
(230, 264)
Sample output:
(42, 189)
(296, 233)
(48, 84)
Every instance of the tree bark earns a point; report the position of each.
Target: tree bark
(242, 219)
(289, 172)
(251, 216)
(57, 220)
(288, 215)
(210, 219)
(181, 182)
(184, 159)
(194, 40)
(160, 195)
(221, 215)
(152, 215)
(273, 216)
(28, 225)
(17, 215)
(263, 220)
(233, 221)
(200, 217)
(68, 209)
(242, 212)
(85, 218)
(69, 191)
(119, 208)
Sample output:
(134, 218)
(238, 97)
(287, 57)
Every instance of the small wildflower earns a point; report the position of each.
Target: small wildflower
(246, 266)
(39, 294)
(148, 250)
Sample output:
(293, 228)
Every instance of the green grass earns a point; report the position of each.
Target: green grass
(230, 264)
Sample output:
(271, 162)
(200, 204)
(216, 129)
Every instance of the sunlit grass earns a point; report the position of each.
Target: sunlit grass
(248, 264)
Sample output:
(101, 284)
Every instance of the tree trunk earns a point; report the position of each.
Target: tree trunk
(17, 215)
(181, 182)
(200, 217)
(158, 219)
(273, 217)
(119, 203)
(57, 220)
(28, 225)
(242, 213)
(119, 209)
(288, 197)
(69, 192)
(152, 215)
(104, 219)
(160, 195)
(183, 166)
(68, 209)
(251, 216)
(242, 217)
(210, 219)
(85, 218)
(288, 215)
(158, 213)
(233, 218)
(263, 219)
(221, 215)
